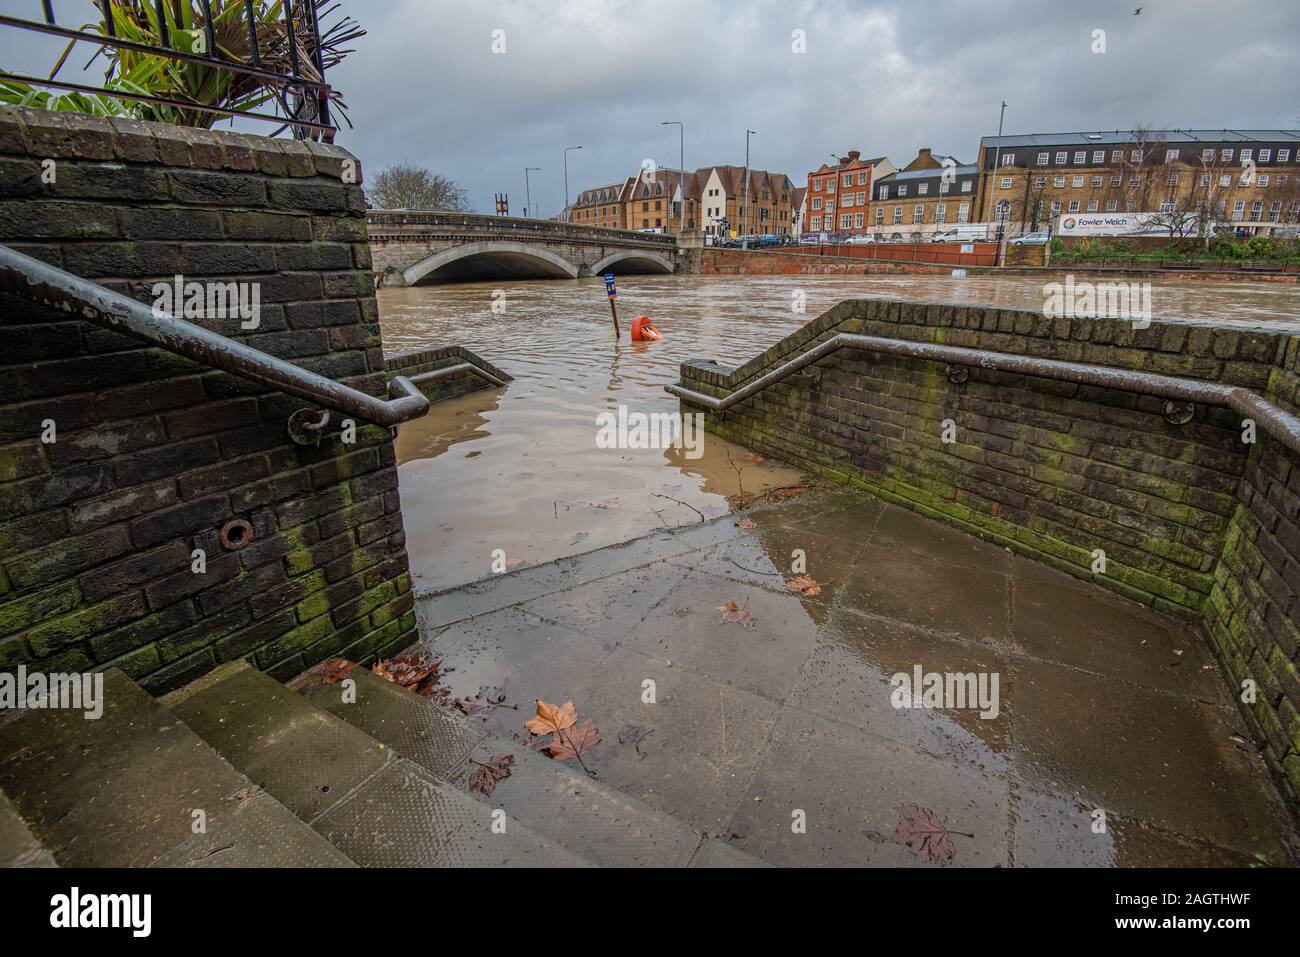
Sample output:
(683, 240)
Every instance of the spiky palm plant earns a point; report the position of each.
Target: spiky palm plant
(207, 83)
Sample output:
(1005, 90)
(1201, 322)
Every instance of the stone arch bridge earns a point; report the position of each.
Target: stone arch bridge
(414, 248)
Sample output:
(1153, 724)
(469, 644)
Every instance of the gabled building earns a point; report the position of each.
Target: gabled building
(838, 196)
(725, 211)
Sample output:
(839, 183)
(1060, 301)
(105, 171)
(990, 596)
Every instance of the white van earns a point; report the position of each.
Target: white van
(971, 233)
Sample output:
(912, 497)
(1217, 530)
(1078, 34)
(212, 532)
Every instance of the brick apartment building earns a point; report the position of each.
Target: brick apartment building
(600, 206)
(932, 194)
(1246, 182)
(652, 201)
(838, 196)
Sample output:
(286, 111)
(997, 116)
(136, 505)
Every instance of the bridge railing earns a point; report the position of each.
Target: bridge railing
(471, 223)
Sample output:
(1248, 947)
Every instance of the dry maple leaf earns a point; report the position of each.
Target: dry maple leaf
(574, 743)
(747, 523)
(920, 829)
(552, 720)
(733, 612)
(412, 673)
(335, 670)
(488, 773)
(804, 585)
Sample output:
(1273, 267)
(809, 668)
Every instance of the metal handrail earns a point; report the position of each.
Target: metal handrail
(47, 285)
(456, 370)
(1280, 424)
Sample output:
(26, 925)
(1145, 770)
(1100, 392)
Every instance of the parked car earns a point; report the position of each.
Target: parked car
(860, 239)
(1032, 239)
(963, 234)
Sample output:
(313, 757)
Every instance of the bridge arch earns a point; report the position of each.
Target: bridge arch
(635, 261)
(491, 260)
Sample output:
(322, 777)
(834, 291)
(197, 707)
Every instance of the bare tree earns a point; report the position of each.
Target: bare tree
(404, 186)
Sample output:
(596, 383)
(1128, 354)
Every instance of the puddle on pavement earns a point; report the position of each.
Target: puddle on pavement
(518, 469)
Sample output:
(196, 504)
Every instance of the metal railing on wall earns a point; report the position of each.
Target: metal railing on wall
(1179, 392)
(283, 29)
(47, 285)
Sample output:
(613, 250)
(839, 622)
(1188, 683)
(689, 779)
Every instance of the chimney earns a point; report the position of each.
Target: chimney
(854, 155)
(924, 153)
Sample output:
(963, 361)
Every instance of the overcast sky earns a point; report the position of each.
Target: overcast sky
(883, 77)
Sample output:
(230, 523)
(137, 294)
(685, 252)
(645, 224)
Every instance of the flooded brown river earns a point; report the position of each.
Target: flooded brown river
(519, 472)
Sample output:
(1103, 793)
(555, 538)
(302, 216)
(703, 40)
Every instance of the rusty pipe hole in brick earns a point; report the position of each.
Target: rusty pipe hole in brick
(1179, 413)
(236, 534)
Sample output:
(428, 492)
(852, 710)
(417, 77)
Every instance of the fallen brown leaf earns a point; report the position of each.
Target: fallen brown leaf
(804, 585)
(552, 720)
(747, 523)
(486, 775)
(920, 829)
(788, 491)
(335, 670)
(414, 673)
(733, 612)
(574, 743)
(482, 704)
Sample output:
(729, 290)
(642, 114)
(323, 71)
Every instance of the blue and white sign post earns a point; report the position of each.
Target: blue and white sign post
(612, 291)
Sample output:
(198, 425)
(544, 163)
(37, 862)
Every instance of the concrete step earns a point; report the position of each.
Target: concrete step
(122, 791)
(18, 845)
(377, 807)
(597, 822)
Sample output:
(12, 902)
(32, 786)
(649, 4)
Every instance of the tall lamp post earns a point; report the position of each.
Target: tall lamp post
(567, 151)
(528, 190)
(681, 168)
(997, 162)
(745, 218)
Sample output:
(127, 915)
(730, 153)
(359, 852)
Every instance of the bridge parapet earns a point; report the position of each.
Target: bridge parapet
(419, 246)
(474, 226)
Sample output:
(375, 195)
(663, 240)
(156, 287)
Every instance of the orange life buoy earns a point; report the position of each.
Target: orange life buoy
(644, 331)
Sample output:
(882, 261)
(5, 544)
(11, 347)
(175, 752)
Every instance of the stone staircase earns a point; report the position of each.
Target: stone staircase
(298, 777)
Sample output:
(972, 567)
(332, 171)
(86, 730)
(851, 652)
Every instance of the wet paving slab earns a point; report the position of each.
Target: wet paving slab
(1078, 728)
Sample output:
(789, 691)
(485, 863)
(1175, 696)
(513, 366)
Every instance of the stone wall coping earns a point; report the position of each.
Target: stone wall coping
(47, 135)
(1115, 333)
(413, 360)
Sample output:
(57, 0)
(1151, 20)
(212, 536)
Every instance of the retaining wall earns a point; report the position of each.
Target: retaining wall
(153, 454)
(1192, 520)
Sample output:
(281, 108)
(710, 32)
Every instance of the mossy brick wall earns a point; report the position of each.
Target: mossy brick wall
(1254, 609)
(1193, 521)
(154, 453)
(440, 357)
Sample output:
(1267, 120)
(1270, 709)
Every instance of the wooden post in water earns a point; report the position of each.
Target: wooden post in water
(613, 302)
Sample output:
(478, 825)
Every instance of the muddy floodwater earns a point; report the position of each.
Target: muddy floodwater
(519, 471)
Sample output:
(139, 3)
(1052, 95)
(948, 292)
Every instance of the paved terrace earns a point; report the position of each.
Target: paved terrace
(1103, 703)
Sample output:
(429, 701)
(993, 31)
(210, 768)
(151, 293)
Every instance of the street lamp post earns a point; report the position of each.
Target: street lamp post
(997, 161)
(528, 190)
(744, 224)
(681, 168)
(567, 151)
